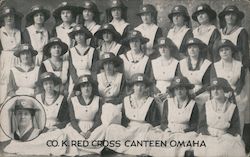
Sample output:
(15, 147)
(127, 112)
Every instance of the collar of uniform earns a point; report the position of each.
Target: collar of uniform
(185, 103)
(30, 69)
(71, 26)
(26, 130)
(3, 29)
(34, 29)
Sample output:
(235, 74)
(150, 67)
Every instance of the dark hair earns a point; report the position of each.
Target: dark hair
(109, 16)
(32, 112)
(223, 24)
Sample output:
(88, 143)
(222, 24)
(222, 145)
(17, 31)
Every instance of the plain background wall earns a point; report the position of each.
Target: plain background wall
(163, 7)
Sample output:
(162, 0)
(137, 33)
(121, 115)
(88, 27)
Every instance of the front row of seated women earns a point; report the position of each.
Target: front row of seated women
(137, 117)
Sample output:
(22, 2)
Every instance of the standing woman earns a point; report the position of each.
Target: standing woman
(110, 81)
(117, 16)
(220, 123)
(110, 38)
(35, 33)
(83, 57)
(65, 16)
(139, 114)
(135, 60)
(10, 38)
(181, 30)
(164, 69)
(91, 19)
(232, 70)
(149, 28)
(196, 68)
(54, 50)
(206, 31)
(23, 78)
(55, 104)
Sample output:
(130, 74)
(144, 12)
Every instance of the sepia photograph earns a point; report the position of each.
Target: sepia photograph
(125, 78)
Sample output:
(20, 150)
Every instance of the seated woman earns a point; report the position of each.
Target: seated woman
(85, 114)
(110, 38)
(54, 103)
(110, 81)
(54, 50)
(233, 71)
(139, 114)
(23, 78)
(196, 68)
(220, 123)
(179, 121)
(24, 112)
(164, 69)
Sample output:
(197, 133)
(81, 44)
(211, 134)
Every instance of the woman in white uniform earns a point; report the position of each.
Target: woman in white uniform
(110, 37)
(35, 32)
(86, 121)
(196, 68)
(83, 57)
(91, 19)
(65, 17)
(139, 114)
(10, 38)
(149, 28)
(54, 50)
(232, 70)
(206, 31)
(110, 81)
(23, 78)
(117, 16)
(219, 124)
(181, 30)
(164, 69)
(135, 60)
(179, 121)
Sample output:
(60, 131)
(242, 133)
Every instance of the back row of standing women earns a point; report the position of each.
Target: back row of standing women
(74, 49)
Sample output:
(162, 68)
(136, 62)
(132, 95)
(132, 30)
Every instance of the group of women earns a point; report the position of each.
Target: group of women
(115, 82)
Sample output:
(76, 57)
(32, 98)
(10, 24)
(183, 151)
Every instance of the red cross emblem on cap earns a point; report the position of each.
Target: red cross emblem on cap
(36, 8)
(114, 2)
(85, 79)
(215, 82)
(56, 39)
(140, 78)
(178, 80)
(78, 28)
(191, 41)
(200, 8)
(106, 56)
(162, 41)
(64, 3)
(47, 76)
(176, 8)
(231, 9)
(7, 10)
(144, 8)
(87, 4)
(223, 40)
(25, 47)
(23, 103)
(106, 26)
(134, 33)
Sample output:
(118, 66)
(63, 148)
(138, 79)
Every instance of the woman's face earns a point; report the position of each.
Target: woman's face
(193, 51)
(218, 93)
(178, 19)
(39, 18)
(88, 15)
(23, 118)
(180, 92)
(135, 44)
(139, 88)
(226, 53)
(116, 13)
(48, 85)
(55, 50)
(86, 89)
(107, 36)
(109, 67)
(9, 19)
(231, 18)
(203, 18)
(26, 57)
(66, 16)
(164, 51)
(80, 37)
(146, 18)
